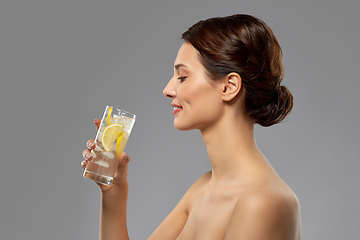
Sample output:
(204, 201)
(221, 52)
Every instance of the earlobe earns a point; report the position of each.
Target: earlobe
(232, 86)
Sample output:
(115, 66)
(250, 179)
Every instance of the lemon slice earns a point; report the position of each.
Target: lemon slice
(121, 143)
(108, 118)
(110, 134)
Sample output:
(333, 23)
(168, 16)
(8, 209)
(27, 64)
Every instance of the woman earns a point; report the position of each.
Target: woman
(226, 79)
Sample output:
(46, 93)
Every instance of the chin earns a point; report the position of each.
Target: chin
(182, 127)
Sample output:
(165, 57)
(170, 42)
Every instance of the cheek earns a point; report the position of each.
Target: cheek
(207, 104)
(198, 94)
(186, 94)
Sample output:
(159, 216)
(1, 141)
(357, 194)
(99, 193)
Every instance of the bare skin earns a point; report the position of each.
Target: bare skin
(242, 198)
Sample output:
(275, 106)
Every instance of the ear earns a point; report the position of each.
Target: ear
(231, 86)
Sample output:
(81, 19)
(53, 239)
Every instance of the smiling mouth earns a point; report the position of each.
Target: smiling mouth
(176, 108)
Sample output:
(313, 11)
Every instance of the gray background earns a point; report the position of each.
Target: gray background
(62, 61)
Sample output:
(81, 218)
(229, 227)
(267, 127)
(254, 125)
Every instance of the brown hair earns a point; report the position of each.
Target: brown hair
(246, 45)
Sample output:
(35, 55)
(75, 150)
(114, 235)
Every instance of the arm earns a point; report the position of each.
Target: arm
(113, 213)
(113, 198)
(265, 216)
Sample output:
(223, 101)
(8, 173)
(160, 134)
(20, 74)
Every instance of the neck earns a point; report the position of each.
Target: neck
(232, 150)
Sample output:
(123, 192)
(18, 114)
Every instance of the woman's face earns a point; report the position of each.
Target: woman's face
(196, 99)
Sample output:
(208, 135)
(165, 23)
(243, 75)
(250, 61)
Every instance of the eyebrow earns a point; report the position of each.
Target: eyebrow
(177, 66)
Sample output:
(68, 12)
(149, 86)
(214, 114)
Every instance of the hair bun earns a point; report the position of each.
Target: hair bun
(277, 109)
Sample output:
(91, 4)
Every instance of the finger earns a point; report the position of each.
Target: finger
(91, 144)
(97, 123)
(84, 163)
(87, 154)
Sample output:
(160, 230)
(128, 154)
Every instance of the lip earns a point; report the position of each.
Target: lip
(177, 108)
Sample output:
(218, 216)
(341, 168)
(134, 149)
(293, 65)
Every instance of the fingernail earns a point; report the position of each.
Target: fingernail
(91, 145)
(125, 157)
(88, 156)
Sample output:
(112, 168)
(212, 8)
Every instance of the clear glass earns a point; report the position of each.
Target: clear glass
(111, 139)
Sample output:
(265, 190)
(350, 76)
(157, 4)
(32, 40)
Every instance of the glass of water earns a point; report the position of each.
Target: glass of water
(111, 139)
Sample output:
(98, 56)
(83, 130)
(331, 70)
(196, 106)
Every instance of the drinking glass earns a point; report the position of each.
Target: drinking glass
(111, 139)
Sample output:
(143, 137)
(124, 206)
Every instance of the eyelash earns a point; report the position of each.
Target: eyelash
(182, 79)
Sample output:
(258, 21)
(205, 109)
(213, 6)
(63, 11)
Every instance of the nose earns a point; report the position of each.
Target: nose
(169, 90)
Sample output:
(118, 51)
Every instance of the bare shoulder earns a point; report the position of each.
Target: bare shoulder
(266, 211)
(269, 197)
(195, 190)
(202, 181)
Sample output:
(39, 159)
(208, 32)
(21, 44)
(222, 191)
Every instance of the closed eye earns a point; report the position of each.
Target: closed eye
(182, 79)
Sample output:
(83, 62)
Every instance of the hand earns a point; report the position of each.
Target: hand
(120, 177)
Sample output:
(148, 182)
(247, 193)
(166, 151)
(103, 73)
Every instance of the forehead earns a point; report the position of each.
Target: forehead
(188, 56)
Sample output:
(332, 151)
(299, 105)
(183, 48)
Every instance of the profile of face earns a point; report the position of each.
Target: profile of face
(197, 100)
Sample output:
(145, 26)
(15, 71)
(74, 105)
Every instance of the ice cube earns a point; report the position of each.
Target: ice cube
(102, 163)
(98, 149)
(109, 155)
